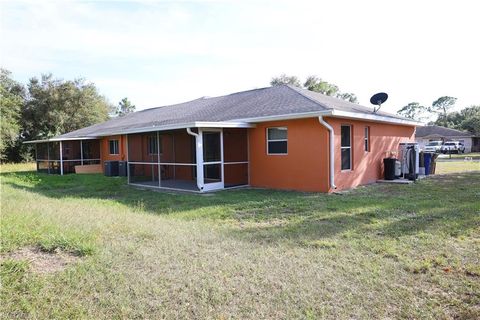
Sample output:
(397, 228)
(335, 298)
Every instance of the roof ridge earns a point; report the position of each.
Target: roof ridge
(203, 98)
(294, 88)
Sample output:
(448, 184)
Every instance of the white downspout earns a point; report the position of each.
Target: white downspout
(332, 150)
(199, 157)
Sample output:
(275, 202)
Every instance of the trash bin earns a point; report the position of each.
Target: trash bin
(111, 168)
(389, 168)
(122, 168)
(427, 159)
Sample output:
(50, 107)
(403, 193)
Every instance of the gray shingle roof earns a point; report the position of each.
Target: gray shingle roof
(270, 101)
(440, 132)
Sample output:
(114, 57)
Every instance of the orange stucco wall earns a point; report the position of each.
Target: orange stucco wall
(306, 166)
(367, 167)
(105, 150)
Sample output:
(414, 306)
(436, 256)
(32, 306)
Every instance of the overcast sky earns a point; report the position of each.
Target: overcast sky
(163, 52)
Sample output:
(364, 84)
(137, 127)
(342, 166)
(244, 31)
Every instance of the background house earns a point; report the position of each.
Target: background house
(423, 135)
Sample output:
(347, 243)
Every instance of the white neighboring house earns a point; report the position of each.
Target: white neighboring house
(423, 135)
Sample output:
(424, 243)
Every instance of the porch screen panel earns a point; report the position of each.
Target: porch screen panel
(42, 151)
(91, 151)
(71, 150)
(235, 153)
(178, 160)
(136, 149)
(54, 150)
(144, 173)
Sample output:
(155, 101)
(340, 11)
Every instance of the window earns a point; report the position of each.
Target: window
(367, 139)
(346, 147)
(277, 141)
(152, 145)
(113, 144)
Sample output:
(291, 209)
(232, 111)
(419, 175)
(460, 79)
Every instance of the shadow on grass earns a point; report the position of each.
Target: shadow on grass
(447, 204)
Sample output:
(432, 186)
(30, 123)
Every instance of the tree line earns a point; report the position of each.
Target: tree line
(467, 119)
(314, 83)
(46, 107)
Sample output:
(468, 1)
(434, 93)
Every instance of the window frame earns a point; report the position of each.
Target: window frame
(346, 147)
(366, 139)
(153, 138)
(276, 140)
(117, 144)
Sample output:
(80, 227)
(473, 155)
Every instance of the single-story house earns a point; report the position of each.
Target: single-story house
(426, 134)
(280, 137)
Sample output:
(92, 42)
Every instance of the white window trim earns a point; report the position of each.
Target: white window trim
(277, 140)
(118, 147)
(366, 138)
(349, 147)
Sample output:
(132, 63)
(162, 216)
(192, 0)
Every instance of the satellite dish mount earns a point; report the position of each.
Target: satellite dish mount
(377, 99)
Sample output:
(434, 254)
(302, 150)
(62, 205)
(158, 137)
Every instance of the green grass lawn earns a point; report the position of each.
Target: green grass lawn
(381, 251)
(444, 167)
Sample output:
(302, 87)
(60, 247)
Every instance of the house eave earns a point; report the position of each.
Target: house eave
(334, 114)
(375, 118)
(196, 124)
(60, 139)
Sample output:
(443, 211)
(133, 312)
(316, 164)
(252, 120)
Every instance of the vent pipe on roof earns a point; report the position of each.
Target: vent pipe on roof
(332, 149)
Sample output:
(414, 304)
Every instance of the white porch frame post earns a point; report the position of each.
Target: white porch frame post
(81, 152)
(200, 178)
(248, 155)
(48, 157)
(221, 157)
(61, 158)
(36, 155)
(158, 160)
(128, 163)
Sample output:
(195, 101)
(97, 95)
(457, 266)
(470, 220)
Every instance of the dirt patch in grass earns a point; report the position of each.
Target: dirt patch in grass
(41, 262)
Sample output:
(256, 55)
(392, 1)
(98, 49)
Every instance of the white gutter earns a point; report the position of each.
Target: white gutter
(332, 150)
(196, 124)
(335, 114)
(60, 139)
(199, 157)
(374, 117)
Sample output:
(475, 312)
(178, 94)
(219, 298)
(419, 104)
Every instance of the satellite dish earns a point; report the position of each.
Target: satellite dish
(377, 99)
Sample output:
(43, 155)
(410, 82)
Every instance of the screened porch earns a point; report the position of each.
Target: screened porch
(190, 160)
(61, 157)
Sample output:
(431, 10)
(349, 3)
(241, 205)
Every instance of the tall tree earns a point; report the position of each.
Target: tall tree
(284, 79)
(413, 110)
(12, 95)
(125, 107)
(350, 97)
(467, 119)
(442, 105)
(56, 106)
(471, 120)
(313, 83)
